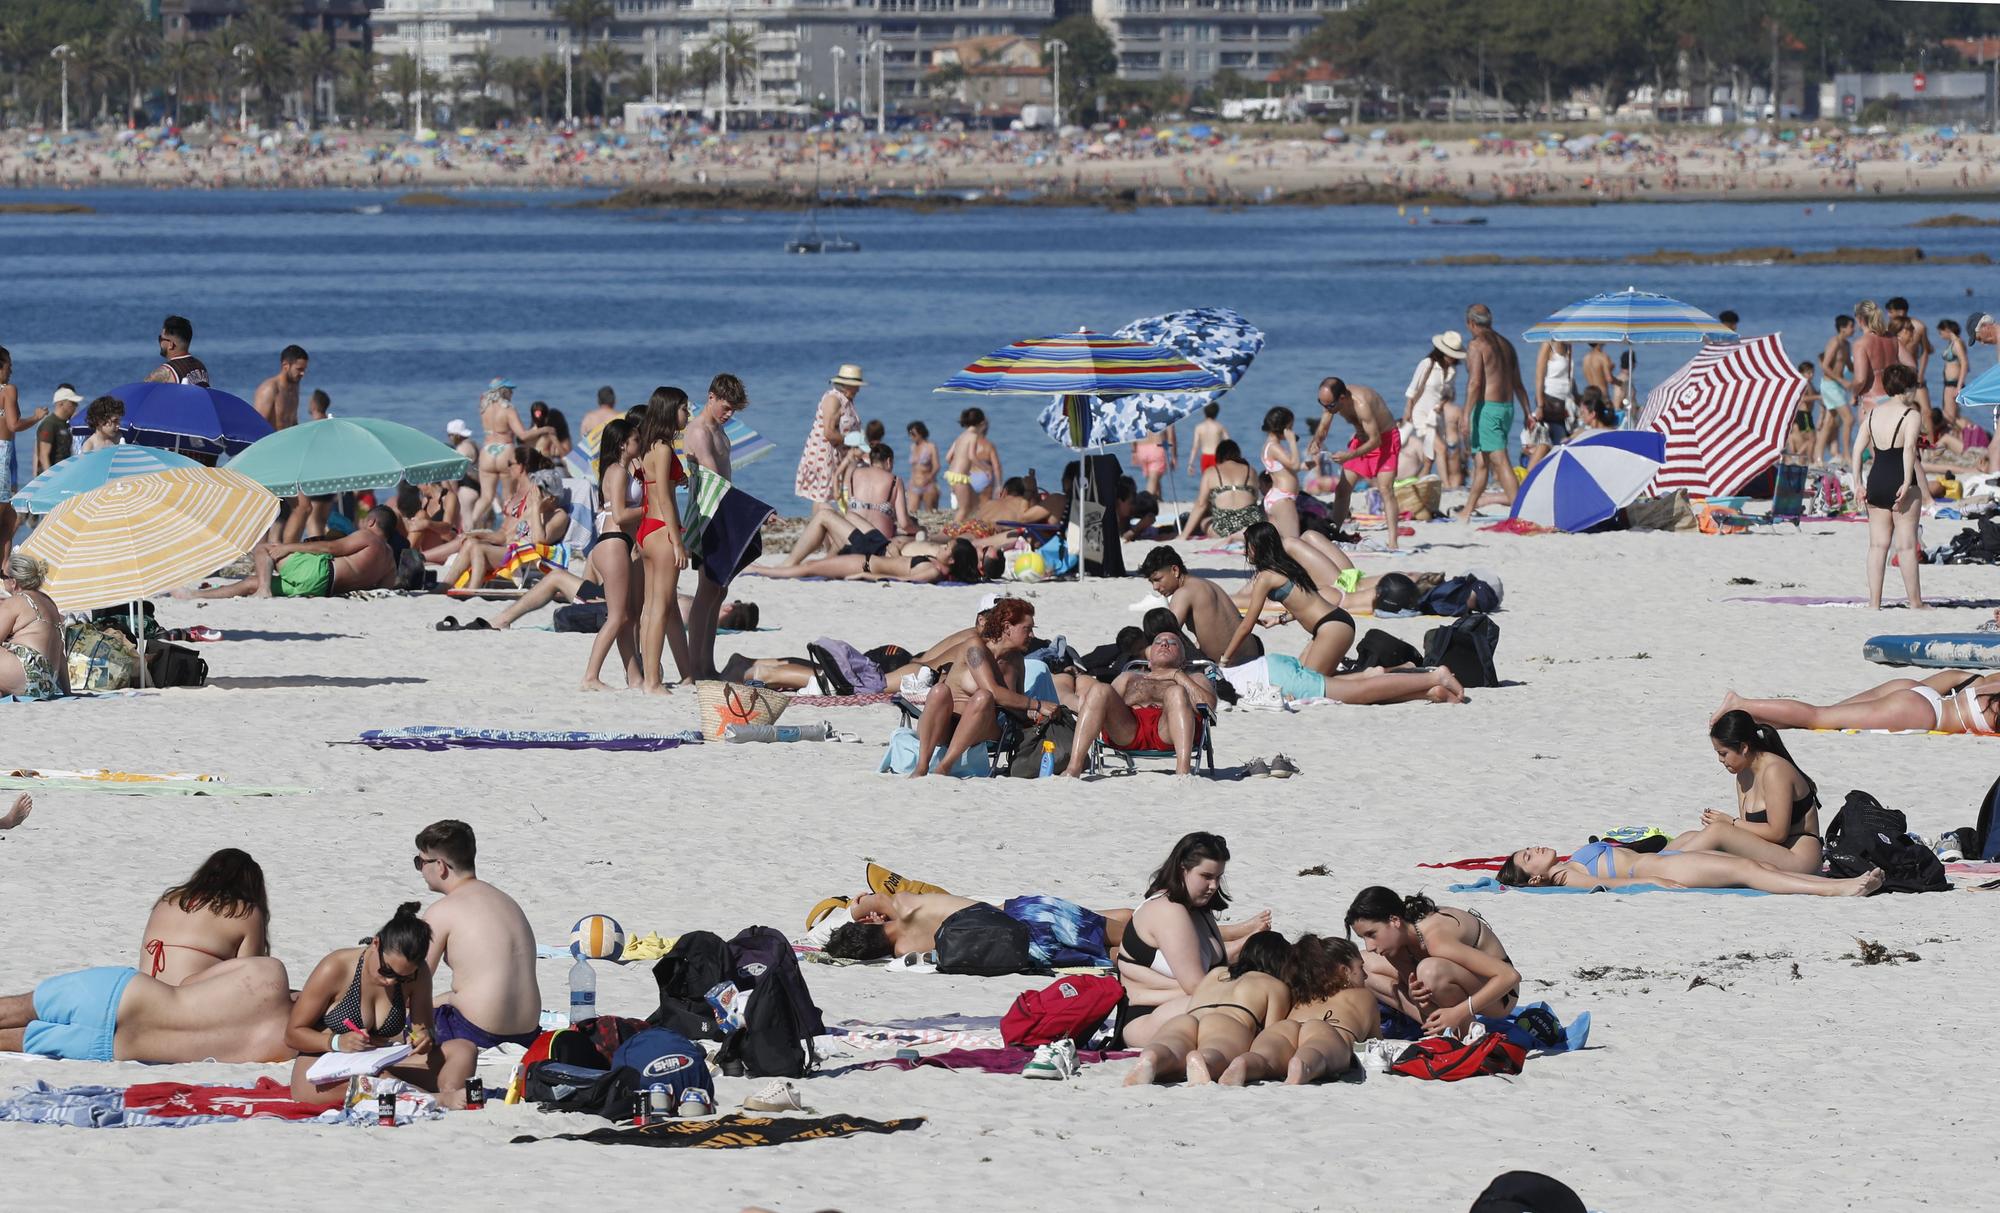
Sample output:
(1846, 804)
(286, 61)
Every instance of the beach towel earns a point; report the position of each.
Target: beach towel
(1821, 600)
(1486, 884)
(723, 531)
(13, 783)
(735, 1131)
(155, 1105)
(446, 737)
(842, 701)
(1011, 1059)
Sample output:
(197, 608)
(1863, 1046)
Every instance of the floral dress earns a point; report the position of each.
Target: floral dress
(817, 463)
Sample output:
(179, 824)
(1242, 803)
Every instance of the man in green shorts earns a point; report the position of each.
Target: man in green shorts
(1492, 387)
(363, 560)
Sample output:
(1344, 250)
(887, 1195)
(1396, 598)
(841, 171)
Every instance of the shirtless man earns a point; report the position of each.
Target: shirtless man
(1836, 391)
(277, 398)
(233, 1012)
(1208, 435)
(964, 708)
(485, 938)
(177, 365)
(320, 406)
(1373, 452)
(909, 921)
(1200, 605)
(706, 443)
(1597, 369)
(319, 568)
(903, 924)
(599, 417)
(1492, 381)
(1151, 709)
(1914, 340)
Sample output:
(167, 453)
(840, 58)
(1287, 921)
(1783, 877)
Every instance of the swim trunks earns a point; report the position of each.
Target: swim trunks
(1491, 421)
(1207, 462)
(76, 1014)
(303, 575)
(865, 541)
(1832, 394)
(1381, 459)
(450, 1023)
(1292, 678)
(1151, 459)
(1146, 732)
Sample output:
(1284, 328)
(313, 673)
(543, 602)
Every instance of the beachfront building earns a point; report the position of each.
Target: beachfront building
(1192, 40)
(802, 46)
(344, 22)
(993, 76)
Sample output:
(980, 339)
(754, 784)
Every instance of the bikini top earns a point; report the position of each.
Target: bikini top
(1284, 591)
(1228, 488)
(346, 1014)
(1807, 803)
(1208, 937)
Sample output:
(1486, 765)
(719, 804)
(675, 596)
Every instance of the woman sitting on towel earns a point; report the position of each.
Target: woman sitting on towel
(961, 563)
(1174, 940)
(1435, 964)
(365, 998)
(217, 914)
(1777, 807)
(1332, 1011)
(1605, 865)
(1949, 701)
(1283, 580)
(1227, 1010)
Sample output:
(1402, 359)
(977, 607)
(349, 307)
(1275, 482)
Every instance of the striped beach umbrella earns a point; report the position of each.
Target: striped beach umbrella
(346, 454)
(1724, 415)
(93, 470)
(1584, 482)
(143, 535)
(1083, 364)
(1633, 316)
(1216, 338)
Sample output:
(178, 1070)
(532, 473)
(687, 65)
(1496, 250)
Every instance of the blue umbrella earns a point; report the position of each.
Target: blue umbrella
(93, 471)
(1630, 315)
(1217, 339)
(1583, 483)
(1983, 390)
(184, 417)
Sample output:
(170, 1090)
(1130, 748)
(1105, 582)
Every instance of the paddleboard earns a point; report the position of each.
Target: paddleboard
(1942, 651)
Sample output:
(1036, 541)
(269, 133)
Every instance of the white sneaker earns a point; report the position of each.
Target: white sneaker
(1055, 1061)
(1947, 848)
(917, 685)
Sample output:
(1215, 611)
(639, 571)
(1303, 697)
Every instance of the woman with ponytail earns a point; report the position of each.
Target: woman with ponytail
(1283, 580)
(1777, 806)
(1437, 965)
(365, 998)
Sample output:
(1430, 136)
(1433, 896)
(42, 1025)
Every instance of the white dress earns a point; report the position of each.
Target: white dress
(1431, 388)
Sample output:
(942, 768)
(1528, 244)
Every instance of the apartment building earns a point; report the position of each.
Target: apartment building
(343, 21)
(1192, 40)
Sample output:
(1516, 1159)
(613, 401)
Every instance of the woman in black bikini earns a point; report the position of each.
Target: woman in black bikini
(1283, 580)
(1893, 489)
(1332, 1010)
(364, 998)
(1777, 807)
(1437, 965)
(1230, 1007)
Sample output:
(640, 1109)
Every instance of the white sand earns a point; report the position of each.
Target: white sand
(1792, 1080)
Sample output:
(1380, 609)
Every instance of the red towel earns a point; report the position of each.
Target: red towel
(269, 1098)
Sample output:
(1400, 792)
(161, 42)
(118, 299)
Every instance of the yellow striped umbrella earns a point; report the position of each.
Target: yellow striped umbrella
(143, 535)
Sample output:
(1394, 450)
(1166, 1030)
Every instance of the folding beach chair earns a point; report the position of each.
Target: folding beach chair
(999, 752)
(1101, 751)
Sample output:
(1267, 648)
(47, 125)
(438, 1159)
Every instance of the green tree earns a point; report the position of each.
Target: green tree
(355, 67)
(134, 44)
(607, 64)
(1089, 65)
(312, 61)
(481, 73)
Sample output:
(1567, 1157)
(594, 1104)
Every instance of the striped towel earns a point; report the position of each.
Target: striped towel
(841, 701)
(723, 532)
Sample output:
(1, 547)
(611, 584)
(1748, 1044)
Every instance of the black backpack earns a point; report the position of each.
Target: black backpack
(582, 617)
(1465, 646)
(780, 1019)
(174, 665)
(1381, 650)
(981, 941)
(1985, 840)
(698, 962)
(1461, 595)
(1866, 835)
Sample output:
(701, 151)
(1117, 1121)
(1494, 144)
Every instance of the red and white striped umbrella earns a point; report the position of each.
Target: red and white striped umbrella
(1724, 415)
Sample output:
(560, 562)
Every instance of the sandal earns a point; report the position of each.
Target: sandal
(478, 625)
(915, 962)
(448, 624)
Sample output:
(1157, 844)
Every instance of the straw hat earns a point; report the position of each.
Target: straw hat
(849, 375)
(1450, 344)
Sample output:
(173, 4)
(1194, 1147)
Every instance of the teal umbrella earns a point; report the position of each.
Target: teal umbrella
(344, 454)
(93, 470)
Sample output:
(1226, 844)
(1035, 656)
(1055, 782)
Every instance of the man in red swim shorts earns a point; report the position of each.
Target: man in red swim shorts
(1149, 709)
(1370, 455)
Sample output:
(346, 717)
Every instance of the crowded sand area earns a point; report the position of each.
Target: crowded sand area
(1740, 1054)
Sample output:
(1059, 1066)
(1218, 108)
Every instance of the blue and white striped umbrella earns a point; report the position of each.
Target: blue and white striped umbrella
(82, 473)
(1984, 390)
(1215, 338)
(1586, 481)
(1631, 315)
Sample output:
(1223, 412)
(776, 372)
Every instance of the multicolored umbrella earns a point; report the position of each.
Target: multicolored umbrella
(93, 470)
(1724, 415)
(746, 446)
(184, 417)
(345, 454)
(1083, 364)
(1582, 483)
(1217, 339)
(1633, 316)
(142, 535)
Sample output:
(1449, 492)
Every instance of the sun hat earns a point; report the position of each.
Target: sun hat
(65, 396)
(457, 427)
(550, 481)
(849, 375)
(1450, 344)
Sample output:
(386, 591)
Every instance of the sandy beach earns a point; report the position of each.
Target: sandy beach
(1740, 1055)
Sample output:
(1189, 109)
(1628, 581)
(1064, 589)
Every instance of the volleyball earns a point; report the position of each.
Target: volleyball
(1029, 566)
(597, 937)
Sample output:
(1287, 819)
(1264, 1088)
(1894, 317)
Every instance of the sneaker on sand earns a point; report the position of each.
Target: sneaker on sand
(1256, 768)
(1283, 767)
(1947, 848)
(779, 1096)
(1055, 1061)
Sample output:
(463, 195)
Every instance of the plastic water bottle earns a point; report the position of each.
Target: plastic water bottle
(1048, 760)
(582, 991)
(817, 731)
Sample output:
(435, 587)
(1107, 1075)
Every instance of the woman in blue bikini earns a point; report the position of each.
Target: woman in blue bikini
(1605, 865)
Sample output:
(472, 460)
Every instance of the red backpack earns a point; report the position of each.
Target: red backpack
(1069, 1009)
(1448, 1060)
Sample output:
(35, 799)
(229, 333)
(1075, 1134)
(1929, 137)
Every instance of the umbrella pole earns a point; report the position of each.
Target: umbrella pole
(138, 638)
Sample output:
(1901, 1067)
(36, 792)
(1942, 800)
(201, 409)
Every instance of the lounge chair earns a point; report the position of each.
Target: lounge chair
(1101, 751)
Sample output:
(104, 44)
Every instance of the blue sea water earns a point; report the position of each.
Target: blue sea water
(408, 312)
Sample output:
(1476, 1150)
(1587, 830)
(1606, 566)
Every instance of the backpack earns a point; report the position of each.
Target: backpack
(410, 569)
(1459, 595)
(581, 617)
(780, 1019)
(1465, 646)
(175, 665)
(697, 963)
(1446, 1060)
(1985, 839)
(1866, 835)
(575, 1070)
(843, 665)
(1381, 650)
(981, 941)
(1026, 762)
(1070, 1009)
(658, 1057)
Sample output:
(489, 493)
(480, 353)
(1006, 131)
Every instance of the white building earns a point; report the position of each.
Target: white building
(1192, 40)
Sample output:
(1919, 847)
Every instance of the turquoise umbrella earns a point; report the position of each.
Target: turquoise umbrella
(93, 471)
(344, 454)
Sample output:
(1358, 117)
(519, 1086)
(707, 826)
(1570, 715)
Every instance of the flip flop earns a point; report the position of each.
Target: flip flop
(203, 635)
(914, 962)
(477, 625)
(448, 624)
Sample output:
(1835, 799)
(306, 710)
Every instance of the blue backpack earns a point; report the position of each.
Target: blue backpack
(657, 1057)
(1460, 595)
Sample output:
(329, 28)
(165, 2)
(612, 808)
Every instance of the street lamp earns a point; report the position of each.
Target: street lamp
(569, 112)
(242, 52)
(725, 80)
(839, 53)
(653, 57)
(417, 110)
(61, 55)
(1056, 87)
(881, 92)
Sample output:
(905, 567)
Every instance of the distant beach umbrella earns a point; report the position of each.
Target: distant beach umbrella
(1631, 315)
(1984, 390)
(1083, 364)
(184, 417)
(1724, 415)
(1217, 339)
(93, 470)
(346, 454)
(1584, 482)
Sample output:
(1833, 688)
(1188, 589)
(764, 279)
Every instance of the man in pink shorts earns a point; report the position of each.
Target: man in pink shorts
(1371, 454)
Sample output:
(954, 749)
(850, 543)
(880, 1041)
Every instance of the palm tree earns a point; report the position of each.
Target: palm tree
(268, 67)
(742, 44)
(133, 43)
(546, 75)
(181, 64)
(482, 71)
(704, 68)
(19, 48)
(357, 68)
(404, 80)
(312, 61)
(607, 63)
(583, 16)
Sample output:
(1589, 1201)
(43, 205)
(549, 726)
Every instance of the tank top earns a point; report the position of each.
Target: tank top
(189, 369)
(1556, 382)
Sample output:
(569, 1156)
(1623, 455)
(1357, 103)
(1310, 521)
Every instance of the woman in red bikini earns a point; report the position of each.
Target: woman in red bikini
(217, 914)
(660, 548)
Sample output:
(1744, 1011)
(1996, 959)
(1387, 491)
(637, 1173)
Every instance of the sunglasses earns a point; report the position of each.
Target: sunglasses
(418, 861)
(394, 978)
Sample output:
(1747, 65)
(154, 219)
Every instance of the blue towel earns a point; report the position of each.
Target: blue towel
(1486, 884)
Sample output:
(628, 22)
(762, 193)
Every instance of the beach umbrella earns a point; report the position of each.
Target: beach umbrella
(93, 470)
(1724, 415)
(1217, 339)
(1984, 389)
(344, 454)
(184, 417)
(746, 446)
(1631, 316)
(142, 535)
(1584, 482)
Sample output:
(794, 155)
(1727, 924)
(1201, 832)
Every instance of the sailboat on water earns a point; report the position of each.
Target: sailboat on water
(809, 239)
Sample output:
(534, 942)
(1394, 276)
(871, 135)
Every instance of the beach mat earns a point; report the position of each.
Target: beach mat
(1825, 600)
(842, 701)
(15, 783)
(1486, 884)
(1008, 1059)
(735, 1131)
(444, 737)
